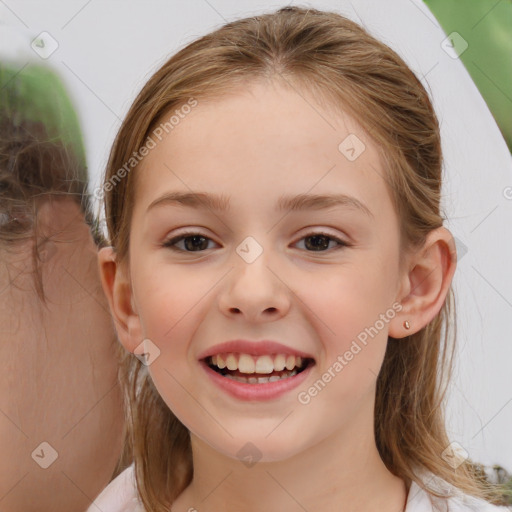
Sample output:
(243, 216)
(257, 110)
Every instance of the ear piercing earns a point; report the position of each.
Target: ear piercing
(407, 325)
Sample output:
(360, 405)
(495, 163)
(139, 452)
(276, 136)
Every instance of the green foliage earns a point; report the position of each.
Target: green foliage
(486, 25)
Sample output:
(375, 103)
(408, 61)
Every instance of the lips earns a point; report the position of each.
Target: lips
(256, 370)
(256, 387)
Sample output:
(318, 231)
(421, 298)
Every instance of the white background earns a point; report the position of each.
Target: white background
(109, 48)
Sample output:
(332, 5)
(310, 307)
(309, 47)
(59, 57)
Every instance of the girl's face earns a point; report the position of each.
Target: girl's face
(305, 255)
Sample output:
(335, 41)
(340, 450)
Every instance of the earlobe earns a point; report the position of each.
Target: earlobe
(426, 284)
(117, 287)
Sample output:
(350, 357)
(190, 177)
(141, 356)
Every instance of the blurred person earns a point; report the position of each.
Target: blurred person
(61, 418)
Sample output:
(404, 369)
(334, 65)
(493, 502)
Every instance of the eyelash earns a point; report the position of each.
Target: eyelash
(170, 244)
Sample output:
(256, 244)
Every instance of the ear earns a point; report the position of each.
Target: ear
(117, 287)
(426, 283)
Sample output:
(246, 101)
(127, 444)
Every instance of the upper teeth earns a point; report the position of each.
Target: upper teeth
(246, 363)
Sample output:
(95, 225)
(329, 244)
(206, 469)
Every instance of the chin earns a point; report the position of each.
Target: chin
(250, 450)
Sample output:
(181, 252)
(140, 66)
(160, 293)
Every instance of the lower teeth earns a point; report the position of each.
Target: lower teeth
(261, 380)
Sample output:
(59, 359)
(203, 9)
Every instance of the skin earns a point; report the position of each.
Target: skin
(253, 146)
(58, 382)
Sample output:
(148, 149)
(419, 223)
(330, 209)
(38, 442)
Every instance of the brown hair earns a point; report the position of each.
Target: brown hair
(339, 61)
(37, 163)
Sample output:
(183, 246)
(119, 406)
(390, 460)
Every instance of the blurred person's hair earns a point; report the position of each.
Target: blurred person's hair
(41, 157)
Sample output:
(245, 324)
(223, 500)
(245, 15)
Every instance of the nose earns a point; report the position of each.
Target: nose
(255, 291)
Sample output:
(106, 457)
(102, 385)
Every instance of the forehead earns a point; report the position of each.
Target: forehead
(262, 140)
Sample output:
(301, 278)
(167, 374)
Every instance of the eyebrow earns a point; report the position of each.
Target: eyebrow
(299, 202)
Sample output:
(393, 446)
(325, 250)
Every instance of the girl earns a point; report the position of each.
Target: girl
(279, 275)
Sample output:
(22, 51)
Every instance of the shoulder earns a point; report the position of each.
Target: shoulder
(120, 495)
(419, 500)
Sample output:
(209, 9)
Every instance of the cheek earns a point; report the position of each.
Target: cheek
(351, 308)
(170, 300)
(348, 299)
(168, 296)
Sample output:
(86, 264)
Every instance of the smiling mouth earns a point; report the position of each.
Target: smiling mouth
(257, 369)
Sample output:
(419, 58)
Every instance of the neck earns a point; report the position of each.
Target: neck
(342, 472)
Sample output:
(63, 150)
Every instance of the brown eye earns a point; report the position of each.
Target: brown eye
(319, 242)
(192, 242)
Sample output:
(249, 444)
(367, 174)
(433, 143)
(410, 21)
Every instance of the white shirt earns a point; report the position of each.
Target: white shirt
(121, 496)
